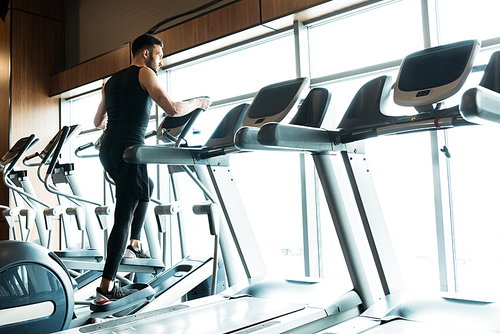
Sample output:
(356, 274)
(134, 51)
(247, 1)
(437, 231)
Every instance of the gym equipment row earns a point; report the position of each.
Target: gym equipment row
(266, 304)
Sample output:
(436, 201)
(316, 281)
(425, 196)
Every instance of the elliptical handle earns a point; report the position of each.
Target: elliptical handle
(150, 134)
(29, 157)
(82, 148)
(57, 151)
(194, 115)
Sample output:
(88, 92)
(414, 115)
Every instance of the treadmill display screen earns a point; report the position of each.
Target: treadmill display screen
(435, 68)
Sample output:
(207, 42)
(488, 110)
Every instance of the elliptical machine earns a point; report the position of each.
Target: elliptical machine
(36, 292)
(35, 289)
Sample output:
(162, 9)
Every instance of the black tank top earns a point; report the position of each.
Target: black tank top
(128, 106)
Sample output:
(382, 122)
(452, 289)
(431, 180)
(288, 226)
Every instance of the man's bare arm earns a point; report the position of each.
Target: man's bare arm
(149, 82)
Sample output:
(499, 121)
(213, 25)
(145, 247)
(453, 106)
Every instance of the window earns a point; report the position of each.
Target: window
(401, 168)
(475, 181)
(237, 72)
(269, 183)
(460, 20)
(356, 40)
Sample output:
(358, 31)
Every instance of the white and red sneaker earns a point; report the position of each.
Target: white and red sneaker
(115, 294)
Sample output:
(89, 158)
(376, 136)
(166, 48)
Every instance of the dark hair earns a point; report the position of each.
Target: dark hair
(145, 42)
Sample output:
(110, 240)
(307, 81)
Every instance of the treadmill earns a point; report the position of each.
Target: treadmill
(425, 78)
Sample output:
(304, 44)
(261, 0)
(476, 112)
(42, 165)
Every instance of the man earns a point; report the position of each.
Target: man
(124, 111)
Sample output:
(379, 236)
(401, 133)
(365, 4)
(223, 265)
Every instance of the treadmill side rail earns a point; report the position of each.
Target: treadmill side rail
(480, 105)
(146, 154)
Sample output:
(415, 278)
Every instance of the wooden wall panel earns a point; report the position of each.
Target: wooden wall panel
(111, 62)
(38, 46)
(71, 78)
(219, 23)
(96, 27)
(4, 109)
(272, 9)
(49, 8)
(90, 71)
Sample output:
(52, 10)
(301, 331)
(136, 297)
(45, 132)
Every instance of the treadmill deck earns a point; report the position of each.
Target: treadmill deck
(220, 317)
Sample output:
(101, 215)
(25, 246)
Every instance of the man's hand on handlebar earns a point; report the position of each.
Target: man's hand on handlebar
(205, 103)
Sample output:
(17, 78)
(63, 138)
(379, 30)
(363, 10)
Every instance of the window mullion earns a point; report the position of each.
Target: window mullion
(310, 220)
(301, 49)
(311, 239)
(444, 217)
(430, 23)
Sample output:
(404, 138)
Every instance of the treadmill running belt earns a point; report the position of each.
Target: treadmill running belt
(221, 317)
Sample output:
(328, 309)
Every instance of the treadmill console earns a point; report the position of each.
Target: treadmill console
(432, 75)
(273, 102)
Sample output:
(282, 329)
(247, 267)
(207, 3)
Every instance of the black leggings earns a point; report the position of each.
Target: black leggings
(129, 214)
(133, 190)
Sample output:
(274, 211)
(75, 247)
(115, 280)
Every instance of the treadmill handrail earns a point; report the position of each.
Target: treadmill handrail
(159, 154)
(286, 136)
(481, 105)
